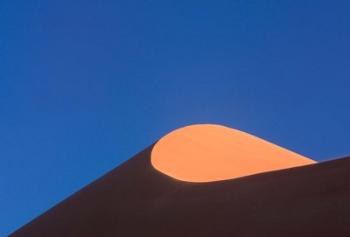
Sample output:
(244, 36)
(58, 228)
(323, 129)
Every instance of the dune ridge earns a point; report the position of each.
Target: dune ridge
(135, 199)
(210, 152)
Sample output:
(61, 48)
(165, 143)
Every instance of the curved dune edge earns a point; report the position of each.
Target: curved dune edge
(209, 152)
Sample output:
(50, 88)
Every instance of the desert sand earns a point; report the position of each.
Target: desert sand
(208, 152)
(135, 199)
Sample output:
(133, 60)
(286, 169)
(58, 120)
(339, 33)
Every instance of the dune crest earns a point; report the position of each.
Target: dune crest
(208, 152)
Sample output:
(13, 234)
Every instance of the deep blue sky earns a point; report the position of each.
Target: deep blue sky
(84, 85)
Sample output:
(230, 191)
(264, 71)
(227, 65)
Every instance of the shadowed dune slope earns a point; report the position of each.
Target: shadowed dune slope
(136, 200)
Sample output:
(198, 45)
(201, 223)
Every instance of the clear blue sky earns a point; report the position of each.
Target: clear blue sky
(84, 85)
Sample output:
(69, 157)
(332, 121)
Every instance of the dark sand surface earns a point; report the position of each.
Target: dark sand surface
(136, 200)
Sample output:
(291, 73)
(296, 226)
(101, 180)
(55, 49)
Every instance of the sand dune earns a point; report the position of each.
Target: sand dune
(207, 152)
(135, 199)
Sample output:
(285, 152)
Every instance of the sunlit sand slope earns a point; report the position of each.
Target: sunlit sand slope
(207, 152)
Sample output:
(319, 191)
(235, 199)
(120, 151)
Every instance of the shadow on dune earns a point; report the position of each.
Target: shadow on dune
(136, 200)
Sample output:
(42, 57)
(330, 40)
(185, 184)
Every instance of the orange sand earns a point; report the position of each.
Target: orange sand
(205, 153)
